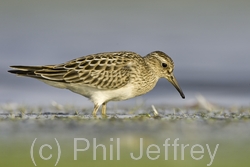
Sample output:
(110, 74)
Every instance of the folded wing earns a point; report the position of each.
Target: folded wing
(103, 71)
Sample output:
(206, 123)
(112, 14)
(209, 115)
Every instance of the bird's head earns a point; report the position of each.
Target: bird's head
(163, 67)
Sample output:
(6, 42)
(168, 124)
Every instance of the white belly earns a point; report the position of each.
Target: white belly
(100, 96)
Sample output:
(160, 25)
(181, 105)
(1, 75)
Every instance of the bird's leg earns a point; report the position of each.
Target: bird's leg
(104, 106)
(96, 107)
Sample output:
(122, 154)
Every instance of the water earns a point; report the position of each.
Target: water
(208, 41)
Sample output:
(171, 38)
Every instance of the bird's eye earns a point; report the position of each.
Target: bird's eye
(164, 65)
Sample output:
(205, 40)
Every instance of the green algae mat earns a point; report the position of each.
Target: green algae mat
(57, 135)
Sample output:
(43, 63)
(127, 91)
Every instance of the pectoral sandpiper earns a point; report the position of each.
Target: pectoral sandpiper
(104, 77)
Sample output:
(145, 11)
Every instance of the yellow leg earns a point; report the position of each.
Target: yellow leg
(104, 106)
(96, 107)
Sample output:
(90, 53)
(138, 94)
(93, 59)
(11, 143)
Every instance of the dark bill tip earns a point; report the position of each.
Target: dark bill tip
(176, 85)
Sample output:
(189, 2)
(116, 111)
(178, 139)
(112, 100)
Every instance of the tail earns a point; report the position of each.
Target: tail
(40, 72)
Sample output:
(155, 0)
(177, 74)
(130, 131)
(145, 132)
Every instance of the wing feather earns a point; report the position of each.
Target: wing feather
(102, 71)
(110, 70)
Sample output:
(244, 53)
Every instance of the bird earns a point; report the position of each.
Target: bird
(108, 76)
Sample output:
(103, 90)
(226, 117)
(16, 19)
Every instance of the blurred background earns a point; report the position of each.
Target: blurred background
(208, 41)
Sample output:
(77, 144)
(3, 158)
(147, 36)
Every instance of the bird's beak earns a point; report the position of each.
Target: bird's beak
(174, 82)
